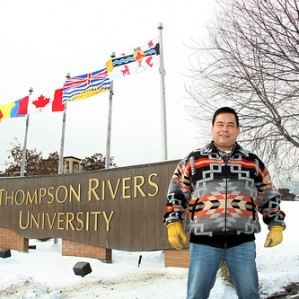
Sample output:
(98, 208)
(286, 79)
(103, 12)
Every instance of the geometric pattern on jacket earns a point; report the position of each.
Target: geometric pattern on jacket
(223, 195)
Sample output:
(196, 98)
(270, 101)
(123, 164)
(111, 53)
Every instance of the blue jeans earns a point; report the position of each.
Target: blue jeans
(205, 261)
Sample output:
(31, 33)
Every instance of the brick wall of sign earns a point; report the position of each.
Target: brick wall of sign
(71, 248)
(10, 239)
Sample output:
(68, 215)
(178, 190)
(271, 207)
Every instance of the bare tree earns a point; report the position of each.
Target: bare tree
(96, 161)
(49, 165)
(37, 165)
(251, 62)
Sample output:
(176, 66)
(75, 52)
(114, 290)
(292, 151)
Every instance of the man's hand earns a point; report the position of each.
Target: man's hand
(274, 236)
(176, 235)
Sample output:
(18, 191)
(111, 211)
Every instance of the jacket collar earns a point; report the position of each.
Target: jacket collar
(211, 147)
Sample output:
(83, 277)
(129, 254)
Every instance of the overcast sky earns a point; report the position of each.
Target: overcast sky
(41, 41)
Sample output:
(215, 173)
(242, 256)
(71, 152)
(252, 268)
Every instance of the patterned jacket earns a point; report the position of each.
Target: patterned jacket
(222, 194)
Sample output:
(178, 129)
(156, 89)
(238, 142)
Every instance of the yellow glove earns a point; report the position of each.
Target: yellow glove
(176, 235)
(274, 236)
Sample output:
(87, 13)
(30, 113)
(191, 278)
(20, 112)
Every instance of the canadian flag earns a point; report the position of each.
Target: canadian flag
(40, 103)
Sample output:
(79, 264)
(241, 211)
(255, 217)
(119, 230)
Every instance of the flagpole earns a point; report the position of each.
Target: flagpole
(108, 141)
(60, 168)
(162, 98)
(25, 140)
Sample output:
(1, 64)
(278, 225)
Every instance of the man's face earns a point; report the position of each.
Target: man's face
(225, 131)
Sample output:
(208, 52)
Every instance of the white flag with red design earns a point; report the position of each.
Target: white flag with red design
(140, 59)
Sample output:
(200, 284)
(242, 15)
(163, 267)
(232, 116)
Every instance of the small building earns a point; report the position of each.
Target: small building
(72, 165)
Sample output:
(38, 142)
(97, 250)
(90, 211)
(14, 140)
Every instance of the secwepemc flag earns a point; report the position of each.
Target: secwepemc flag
(84, 86)
(139, 59)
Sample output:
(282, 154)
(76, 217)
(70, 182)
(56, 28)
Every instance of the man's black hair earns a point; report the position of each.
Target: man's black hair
(226, 110)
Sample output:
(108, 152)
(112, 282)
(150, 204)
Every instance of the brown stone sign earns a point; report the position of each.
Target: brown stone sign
(120, 208)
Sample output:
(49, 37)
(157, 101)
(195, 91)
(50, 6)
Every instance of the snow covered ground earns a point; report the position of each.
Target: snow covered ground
(44, 273)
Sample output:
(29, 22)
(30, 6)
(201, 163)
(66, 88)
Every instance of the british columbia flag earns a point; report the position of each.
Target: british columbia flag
(84, 86)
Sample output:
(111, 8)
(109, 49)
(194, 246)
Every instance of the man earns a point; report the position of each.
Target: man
(221, 188)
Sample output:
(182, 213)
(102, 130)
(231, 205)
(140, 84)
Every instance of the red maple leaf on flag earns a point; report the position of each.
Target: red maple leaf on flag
(41, 102)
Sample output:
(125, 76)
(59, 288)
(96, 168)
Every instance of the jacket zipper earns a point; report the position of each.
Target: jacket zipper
(225, 205)
(253, 209)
